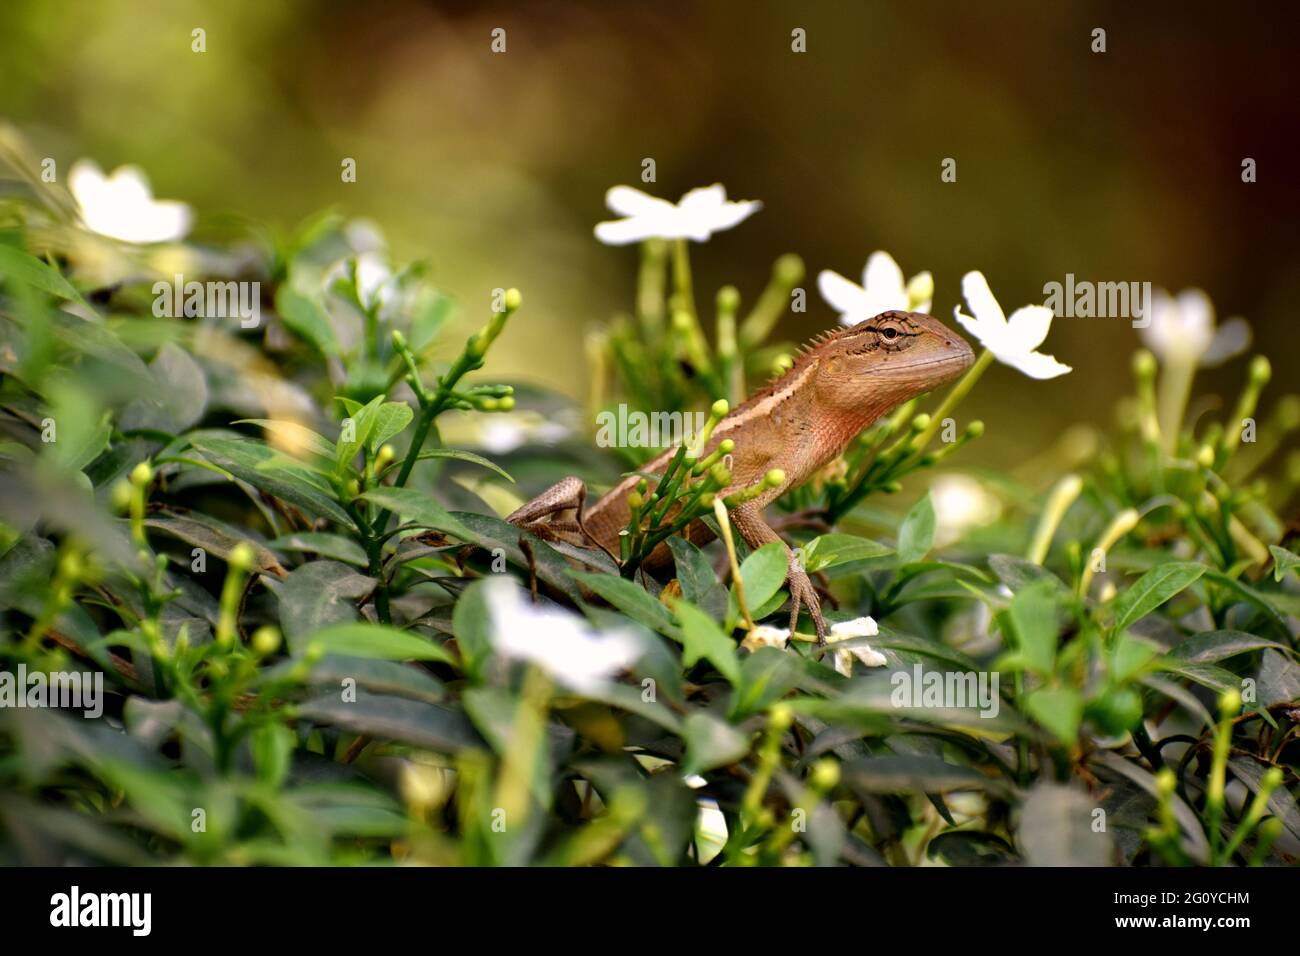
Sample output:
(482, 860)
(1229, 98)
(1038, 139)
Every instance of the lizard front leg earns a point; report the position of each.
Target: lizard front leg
(748, 520)
(544, 515)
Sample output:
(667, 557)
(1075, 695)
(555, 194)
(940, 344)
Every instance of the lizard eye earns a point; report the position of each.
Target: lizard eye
(890, 332)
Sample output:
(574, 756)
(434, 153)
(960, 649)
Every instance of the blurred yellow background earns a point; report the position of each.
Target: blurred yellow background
(1115, 166)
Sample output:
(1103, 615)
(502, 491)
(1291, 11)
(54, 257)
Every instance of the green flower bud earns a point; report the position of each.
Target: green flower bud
(1260, 371)
(775, 478)
(141, 474)
(1144, 365)
(825, 774)
(1230, 703)
(241, 557)
(728, 299)
(788, 269)
(780, 717)
(266, 640)
(120, 496)
(975, 429)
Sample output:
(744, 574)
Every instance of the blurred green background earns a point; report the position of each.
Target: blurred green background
(1117, 166)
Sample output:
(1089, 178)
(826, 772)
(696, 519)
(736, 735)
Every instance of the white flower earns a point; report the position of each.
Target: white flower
(504, 433)
(121, 206)
(559, 641)
(961, 503)
(376, 284)
(700, 214)
(882, 290)
(1012, 341)
(764, 635)
(858, 627)
(1182, 330)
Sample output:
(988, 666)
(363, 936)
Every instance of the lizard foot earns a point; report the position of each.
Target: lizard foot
(803, 594)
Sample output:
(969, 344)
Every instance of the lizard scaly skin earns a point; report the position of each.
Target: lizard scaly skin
(841, 382)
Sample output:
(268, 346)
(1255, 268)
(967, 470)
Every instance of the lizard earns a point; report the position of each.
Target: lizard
(841, 382)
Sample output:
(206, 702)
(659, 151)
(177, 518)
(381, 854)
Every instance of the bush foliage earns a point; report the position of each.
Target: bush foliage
(313, 626)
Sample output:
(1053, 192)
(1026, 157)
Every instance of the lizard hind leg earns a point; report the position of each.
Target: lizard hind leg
(557, 515)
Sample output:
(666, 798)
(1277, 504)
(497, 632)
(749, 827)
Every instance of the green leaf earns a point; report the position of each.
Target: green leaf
(378, 641)
(1131, 657)
(390, 419)
(699, 584)
(703, 639)
(1283, 561)
(916, 534)
(377, 675)
(1152, 589)
(830, 550)
(471, 621)
(306, 318)
(468, 456)
(319, 594)
(295, 435)
(272, 473)
(418, 508)
(215, 538)
(1214, 646)
(765, 676)
(1032, 617)
(1059, 710)
(327, 545)
(362, 422)
(1017, 573)
(631, 599)
(18, 266)
(711, 743)
(762, 574)
(427, 726)
(912, 774)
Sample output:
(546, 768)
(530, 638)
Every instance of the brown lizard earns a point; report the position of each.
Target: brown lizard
(841, 382)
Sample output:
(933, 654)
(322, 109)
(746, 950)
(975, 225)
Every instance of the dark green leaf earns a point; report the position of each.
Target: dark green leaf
(1152, 589)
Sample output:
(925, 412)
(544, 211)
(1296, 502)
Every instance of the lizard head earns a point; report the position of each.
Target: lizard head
(889, 359)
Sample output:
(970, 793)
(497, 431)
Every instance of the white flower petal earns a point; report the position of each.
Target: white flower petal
(868, 656)
(764, 635)
(1230, 340)
(121, 206)
(846, 297)
(1034, 364)
(621, 232)
(704, 199)
(558, 641)
(1028, 326)
(1196, 314)
(858, 627)
(732, 214)
(982, 332)
(978, 295)
(884, 279)
(627, 201)
(700, 214)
